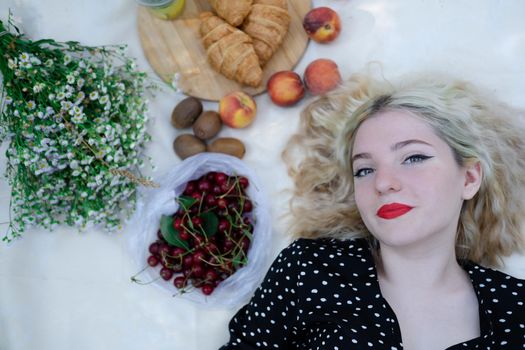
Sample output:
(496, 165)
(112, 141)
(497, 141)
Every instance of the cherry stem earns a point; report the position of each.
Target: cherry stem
(136, 280)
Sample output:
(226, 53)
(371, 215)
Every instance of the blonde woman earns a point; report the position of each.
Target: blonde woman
(405, 194)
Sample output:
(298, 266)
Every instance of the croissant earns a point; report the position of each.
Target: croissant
(230, 51)
(267, 24)
(232, 11)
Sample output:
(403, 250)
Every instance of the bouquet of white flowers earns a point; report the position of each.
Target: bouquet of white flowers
(75, 118)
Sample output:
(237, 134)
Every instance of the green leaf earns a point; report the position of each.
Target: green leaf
(247, 234)
(170, 234)
(240, 259)
(186, 202)
(210, 223)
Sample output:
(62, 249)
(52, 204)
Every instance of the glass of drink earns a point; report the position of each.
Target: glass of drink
(165, 9)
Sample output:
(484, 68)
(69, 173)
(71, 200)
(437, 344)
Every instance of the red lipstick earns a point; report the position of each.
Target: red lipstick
(393, 210)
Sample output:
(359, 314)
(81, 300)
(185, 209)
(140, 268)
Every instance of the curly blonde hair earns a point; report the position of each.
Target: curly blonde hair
(474, 125)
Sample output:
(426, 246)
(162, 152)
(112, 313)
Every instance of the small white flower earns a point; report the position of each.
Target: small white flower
(67, 59)
(37, 88)
(8, 100)
(24, 57)
(77, 119)
(75, 173)
(104, 99)
(80, 97)
(76, 111)
(93, 95)
(31, 105)
(80, 82)
(70, 78)
(11, 64)
(61, 95)
(49, 63)
(26, 64)
(66, 106)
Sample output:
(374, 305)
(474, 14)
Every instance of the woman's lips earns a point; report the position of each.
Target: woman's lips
(393, 210)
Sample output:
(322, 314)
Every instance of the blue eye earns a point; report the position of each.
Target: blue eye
(416, 158)
(363, 172)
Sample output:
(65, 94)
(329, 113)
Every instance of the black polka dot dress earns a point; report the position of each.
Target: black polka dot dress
(324, 294)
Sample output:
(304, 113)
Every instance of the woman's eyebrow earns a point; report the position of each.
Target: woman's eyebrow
(402, 144)
(394, 147)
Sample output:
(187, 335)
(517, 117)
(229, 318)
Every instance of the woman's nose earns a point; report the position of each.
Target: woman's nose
(387, 180)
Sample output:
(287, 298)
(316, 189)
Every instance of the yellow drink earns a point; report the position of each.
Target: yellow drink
(168, 10)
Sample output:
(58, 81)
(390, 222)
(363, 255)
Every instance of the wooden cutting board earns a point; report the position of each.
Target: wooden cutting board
(175, 47)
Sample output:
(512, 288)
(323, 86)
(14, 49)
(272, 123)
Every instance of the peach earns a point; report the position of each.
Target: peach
(322, 24)
(237, 109)
(321, 76)
(285, 88)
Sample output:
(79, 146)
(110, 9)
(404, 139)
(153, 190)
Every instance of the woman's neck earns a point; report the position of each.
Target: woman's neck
(423, 266)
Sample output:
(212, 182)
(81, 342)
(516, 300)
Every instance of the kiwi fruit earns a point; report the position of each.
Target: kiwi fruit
(227, 145)
(207, 125)
(187, 145)
(185, 112)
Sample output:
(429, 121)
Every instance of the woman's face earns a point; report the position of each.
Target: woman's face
(408, 187)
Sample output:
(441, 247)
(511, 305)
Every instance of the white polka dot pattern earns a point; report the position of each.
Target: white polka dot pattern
(324, 294)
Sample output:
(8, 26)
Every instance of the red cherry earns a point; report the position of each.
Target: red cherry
(154, 248)
(222, 203)
(233, 206)
(220, 178)
(164, 249)
(225, 187)
(204, 186)
(199, 240)
(199, 256)
(190, 188)
(244, 182)
(177, 252)
(184, 235)
(211, 248)
(166, 273)
(198, 271)
(248, 206)
(212, 261)
(179, 282)
(210, 275)
(216, 189)
(211, 176)
(187, 261)
(223, 225)
(153, 261)
(196, 221)
(207, 289)
(210, 200)
(177, 222)
(227, 245)
(196, 195)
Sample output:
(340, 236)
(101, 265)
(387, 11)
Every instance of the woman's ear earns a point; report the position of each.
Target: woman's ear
(473, 177)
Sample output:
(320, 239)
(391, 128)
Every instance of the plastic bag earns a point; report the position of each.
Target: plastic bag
(236, 289)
